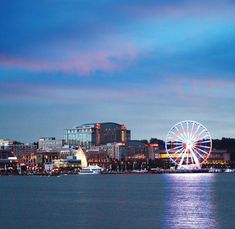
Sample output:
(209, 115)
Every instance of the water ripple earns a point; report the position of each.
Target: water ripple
(190, 202)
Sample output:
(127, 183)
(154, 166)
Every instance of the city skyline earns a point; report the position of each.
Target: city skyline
(146, 64)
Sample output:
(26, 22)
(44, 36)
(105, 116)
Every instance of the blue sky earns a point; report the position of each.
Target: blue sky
(147, 64)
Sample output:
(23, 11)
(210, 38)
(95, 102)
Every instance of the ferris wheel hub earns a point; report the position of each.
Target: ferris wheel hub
(189, 144)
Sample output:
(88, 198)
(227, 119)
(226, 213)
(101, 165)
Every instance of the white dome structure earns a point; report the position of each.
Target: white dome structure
(80, 155)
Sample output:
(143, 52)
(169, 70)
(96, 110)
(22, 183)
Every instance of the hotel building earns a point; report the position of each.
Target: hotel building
(95, 134)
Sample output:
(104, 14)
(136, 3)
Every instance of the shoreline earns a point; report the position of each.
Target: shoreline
(126, 173)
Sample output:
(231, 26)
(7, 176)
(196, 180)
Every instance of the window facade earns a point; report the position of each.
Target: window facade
(88, 135)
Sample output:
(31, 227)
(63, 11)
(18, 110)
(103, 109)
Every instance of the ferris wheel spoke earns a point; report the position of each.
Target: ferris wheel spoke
(177, 135)
(195, 133)
(175, 149)
(203, 151)
(187, 130)
(191, 134)
(195, 158)
(204, 141)
(187, 158)
(203, 134)
(174, 143)
(206, 147)
(180, 133)
(181, 151)
(183, 156)
(178, 147)
(179, 156)
(191, 156)
(192, 160)
(175, 139)
(182, 127)
(199, 154)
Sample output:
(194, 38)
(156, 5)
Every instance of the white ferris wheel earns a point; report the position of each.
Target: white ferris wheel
(188, 144)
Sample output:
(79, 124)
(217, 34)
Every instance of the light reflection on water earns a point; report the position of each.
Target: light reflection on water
(190, 201)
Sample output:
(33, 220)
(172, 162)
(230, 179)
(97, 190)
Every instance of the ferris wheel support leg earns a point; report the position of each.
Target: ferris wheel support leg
(197, 163)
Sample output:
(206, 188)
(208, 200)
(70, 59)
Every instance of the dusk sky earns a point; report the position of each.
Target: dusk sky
(146, 64)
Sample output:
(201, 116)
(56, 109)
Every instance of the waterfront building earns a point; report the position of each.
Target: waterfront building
(94, 134)
(8, 162)
(111, 153)
(69, 164)
(97, 157)
(65, 152)
(23, 152)
(46, 143)
(139, 150)
(111, 150)
(20, 150)
(217, 158)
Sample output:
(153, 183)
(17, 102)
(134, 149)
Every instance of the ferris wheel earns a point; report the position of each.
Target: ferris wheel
(188, 144)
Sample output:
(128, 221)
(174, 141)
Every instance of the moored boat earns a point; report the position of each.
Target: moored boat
(90, 170)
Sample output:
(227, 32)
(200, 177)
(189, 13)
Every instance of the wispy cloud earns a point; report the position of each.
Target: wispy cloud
(82, 62)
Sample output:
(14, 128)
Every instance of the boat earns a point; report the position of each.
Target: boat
(229, 170)
(214, 170)
(90, 170)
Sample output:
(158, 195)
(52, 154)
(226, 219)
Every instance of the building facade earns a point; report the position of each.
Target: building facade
(46, 143)
(217, 158)
(95, 134)
(8, 162)
(138, 150)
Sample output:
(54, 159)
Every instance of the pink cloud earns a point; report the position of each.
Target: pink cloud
(85, 62)
(179, 10)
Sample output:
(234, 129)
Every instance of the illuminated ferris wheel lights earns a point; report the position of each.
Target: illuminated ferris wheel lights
(188, 144)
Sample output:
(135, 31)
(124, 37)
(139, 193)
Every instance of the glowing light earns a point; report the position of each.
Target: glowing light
(188, 144)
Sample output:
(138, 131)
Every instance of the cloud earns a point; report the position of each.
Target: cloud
(82, 62)
(167, 9)
(111, 36)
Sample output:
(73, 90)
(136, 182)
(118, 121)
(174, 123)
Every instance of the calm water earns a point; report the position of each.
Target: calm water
(118, 201)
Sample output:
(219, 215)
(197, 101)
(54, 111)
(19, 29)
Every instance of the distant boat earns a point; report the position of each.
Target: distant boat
(229, 170)
(90, 170)
(214, 170)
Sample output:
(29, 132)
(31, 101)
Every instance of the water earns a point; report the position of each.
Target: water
(118, 201)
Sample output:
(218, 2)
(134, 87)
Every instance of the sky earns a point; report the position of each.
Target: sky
(147, 64)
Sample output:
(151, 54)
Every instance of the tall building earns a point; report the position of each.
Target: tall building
(88, 135)
(46, 143)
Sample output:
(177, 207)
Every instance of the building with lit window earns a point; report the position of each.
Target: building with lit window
(111, 151)
(217, 158)
(20, 150)
(139, 150)
(8, 162)
(88, 135)
(46, 143)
